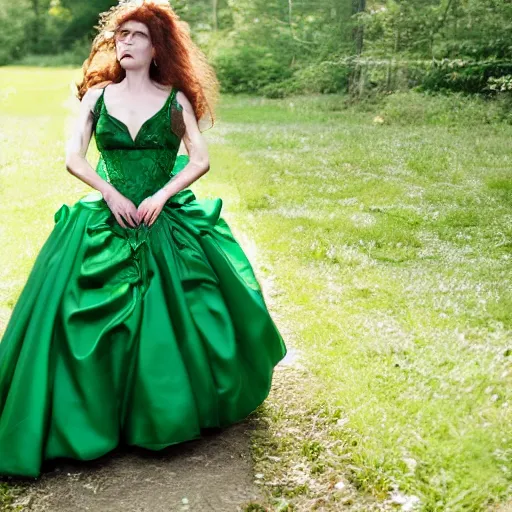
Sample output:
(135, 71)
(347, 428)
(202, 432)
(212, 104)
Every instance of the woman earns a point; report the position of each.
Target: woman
(142, 321)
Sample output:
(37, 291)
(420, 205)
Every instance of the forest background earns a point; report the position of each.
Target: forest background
(280, 47)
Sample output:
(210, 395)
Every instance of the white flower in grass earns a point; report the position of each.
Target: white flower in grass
(410, 463)
(408, 502)
(340, 485)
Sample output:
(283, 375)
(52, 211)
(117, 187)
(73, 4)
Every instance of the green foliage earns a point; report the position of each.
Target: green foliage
(83, 17)
(73, 57)
(504, 83)
(7, 495)
(324, 77)
(15, 18)
(277, 48)
(248, 69)
(465, 75)
(444, 109)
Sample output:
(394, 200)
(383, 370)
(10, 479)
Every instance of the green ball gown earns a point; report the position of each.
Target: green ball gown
(141, 336)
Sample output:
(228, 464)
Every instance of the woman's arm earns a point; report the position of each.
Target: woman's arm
(195, 143)
(76, 163)
(78, 143)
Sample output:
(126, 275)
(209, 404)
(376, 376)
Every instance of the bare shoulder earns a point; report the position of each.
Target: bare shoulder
(182, 99)
(92, 94)
(90, 97)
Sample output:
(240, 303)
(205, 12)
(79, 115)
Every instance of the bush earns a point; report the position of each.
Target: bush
(248, 68)
(464, 75)
(452, 108)
(15, 18)
(75, 56)
(322, 77)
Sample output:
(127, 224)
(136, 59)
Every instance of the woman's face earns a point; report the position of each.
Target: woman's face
(133, 45)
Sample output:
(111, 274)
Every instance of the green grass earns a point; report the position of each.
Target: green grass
(390, 250)
(391, 246)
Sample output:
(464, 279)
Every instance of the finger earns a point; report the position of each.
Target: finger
(120, 221)
(132, 212)
(153, 217)
(147, 216)
(126, 218)
(132, 222)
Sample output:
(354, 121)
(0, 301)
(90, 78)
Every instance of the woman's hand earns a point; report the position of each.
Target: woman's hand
(122, 208)
(150, 208)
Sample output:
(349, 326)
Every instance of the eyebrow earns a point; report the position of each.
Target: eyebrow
(128, 30)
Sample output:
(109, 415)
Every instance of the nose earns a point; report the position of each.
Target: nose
(126, 39)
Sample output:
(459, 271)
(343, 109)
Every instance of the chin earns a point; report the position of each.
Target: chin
(129, 64)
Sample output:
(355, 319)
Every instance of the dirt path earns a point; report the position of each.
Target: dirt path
(210, 474)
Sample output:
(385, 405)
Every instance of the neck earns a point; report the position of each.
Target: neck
(137, 81)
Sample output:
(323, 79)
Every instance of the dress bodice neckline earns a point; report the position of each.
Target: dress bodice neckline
(145, 123)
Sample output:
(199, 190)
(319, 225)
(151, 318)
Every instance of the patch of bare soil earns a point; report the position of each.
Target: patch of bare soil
(209, 474)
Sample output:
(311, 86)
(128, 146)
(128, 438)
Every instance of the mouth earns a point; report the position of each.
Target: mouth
(126, 55)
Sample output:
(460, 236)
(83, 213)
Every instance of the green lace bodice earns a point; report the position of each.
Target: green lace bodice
(139, 166)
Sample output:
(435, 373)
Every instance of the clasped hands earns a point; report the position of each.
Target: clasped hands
(124, 209)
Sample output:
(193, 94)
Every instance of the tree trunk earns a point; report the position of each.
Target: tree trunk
(36, 26)
(357, 7)
(356, 79)
(215, 8)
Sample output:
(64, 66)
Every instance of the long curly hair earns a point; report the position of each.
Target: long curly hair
(179, 61)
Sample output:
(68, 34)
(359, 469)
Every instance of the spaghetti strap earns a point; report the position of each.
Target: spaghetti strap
(97, 107)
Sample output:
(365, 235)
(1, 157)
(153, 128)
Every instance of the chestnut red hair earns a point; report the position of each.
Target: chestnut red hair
(179, 62)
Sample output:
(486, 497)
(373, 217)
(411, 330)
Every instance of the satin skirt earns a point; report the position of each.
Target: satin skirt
(140, 336)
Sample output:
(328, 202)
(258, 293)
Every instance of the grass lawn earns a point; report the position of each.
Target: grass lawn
(389, 246)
